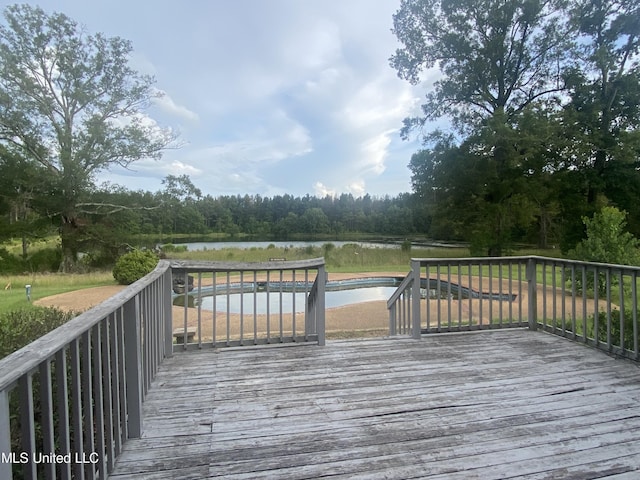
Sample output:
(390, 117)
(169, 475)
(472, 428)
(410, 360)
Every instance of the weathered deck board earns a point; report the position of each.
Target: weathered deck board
(493, 404)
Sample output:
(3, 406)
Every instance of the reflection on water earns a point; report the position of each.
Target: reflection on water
(275, 300)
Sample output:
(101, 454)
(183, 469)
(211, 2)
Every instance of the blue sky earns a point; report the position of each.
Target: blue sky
(269, 96)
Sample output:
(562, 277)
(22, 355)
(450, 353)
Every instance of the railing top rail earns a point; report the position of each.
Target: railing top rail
(196, 266)
(485, 260)
(401, 288)
(13, 366)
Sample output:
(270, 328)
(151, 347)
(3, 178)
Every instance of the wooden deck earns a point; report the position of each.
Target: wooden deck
(485, 405)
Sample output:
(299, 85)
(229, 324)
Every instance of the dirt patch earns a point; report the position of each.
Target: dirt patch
(80, 300)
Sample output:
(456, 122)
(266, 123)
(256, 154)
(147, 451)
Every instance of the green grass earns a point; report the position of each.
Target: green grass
(44, 285)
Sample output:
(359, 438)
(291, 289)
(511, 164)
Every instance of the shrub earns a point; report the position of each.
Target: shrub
(607, 241)
(21, 327)
(134, 265)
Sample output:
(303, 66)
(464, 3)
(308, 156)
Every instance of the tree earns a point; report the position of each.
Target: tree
(495, 57)
(608, 240)
(498, 60)
(603, 115)
(70, 102)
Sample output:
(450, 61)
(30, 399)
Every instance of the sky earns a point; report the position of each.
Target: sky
(268, 97)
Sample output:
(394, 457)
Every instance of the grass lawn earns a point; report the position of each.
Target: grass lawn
(43, 285)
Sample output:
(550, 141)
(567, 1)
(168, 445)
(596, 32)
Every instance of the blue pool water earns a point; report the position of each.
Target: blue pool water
(337, 298)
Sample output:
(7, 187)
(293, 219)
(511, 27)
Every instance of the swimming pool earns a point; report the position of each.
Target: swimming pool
(262, 298)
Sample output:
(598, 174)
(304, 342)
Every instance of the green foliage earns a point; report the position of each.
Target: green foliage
(619, 324)
(21, 327)
(607, 240)
(45, 260)
(42, 260)
(134, 265)
(71, 106)
(171, 248)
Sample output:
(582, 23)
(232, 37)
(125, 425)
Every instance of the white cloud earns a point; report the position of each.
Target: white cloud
(357, 188)
(163, 101)
(321, 190)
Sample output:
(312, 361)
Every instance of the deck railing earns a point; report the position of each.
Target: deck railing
(71, 399)
(250, 303)
(592, 303)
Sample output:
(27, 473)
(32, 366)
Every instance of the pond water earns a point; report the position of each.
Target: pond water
(194, 246)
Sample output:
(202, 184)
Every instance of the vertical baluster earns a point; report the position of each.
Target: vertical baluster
(520, 303)
(185, 310)
(76, 404)
(214, 274)
(98, 398)
(480, 294)
(255, 307)
(608, 284)
(596, 306)
(563, 297)
(27, 425)
(5, 433)
(281, 319)
(107, 388)
(544, 294)
(573, 300)
(199, 297)
(449, 298)
(293, 309)
(116, 399)
(460, 294)
(228, 310)
(583, 271)
(470, 294)
(306, 301)
(268, 293)
(554, 291)
(46, 410)
(62, 401)
(622, 310)
(634, 311)
(87, 400)
(490, 294)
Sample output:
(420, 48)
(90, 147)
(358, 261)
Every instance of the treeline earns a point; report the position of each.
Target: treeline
(112, 219)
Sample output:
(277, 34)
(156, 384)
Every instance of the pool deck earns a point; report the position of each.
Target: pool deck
(481, 405)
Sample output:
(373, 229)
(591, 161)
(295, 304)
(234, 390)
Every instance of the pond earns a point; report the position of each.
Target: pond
(195, 246)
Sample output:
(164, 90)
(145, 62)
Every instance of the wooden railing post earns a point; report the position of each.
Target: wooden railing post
(167, 311)
(5, 436)
(320, 320)
(133, 361)
(532, 307)
(416, 323)
(392, 320)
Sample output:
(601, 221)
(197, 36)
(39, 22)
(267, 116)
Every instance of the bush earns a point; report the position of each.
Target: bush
(21, 327)
(134, 265)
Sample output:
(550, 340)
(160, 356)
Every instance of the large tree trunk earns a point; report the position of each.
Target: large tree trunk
(68, 240)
